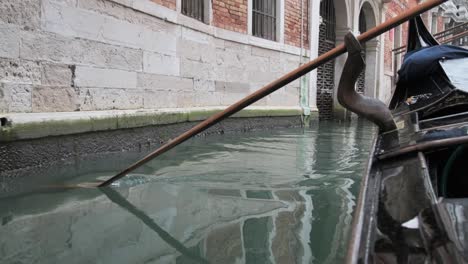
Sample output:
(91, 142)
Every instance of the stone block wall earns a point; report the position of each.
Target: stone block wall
(80, 55)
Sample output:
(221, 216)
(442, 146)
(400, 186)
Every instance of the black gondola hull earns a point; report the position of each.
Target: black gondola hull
(413, 203)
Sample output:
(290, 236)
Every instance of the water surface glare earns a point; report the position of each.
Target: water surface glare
(283, 196)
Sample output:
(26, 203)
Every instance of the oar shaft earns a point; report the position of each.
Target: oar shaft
(277, 84)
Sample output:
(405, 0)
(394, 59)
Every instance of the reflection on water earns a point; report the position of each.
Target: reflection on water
(265, 197)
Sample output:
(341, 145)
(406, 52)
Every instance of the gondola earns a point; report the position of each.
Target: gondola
(413, 202)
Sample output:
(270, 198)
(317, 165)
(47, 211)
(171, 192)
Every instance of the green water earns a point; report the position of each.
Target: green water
(283, 196)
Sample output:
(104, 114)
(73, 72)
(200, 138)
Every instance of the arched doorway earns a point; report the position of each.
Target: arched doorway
(326, 72)
(367, 82)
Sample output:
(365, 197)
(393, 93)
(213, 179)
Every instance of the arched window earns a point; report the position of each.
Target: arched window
(362, 22)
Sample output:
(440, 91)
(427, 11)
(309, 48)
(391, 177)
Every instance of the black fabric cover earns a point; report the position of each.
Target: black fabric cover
(421, 63)
(418, 35)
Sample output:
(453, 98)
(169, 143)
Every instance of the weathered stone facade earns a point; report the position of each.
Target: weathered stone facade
(82, 55)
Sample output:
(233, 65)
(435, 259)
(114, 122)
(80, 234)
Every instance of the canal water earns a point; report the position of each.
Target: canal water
(284, 196)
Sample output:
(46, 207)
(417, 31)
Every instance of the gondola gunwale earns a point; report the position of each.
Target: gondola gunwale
(361, 246)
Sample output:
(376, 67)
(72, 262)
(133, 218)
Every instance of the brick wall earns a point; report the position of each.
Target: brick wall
(425, 18)
(230, 15)
(292, 23)
(167, 3)
(440, 24)
(388, 46)
(395, 8)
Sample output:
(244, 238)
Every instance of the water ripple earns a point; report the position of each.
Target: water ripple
(283, 196)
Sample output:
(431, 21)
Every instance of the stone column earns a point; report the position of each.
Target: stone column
(315, 20)
(355, 11)
(371, 71)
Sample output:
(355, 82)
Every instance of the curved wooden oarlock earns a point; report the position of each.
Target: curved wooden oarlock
(372, 109)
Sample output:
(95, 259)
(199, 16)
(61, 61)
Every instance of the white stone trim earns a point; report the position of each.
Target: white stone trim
(280, 21)
(249, 16)
(208, 12)
(315, 21)
(179, 6)
(175, 17)
(388, 73)
(151, 8)
(38, 125)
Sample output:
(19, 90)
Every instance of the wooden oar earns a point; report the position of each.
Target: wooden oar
(277, 84)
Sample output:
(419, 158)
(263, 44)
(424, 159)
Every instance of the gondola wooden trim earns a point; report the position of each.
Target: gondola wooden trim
(423, 146)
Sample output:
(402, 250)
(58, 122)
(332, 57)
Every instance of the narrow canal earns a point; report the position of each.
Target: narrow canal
(282, 196)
